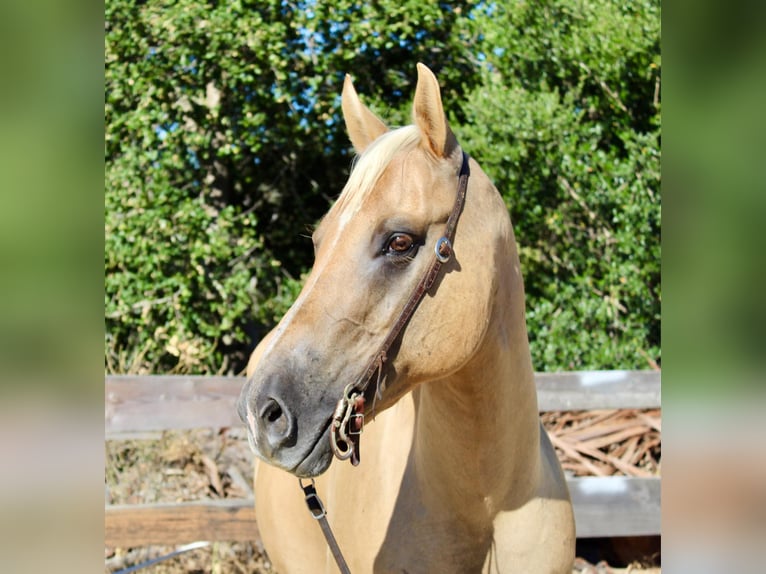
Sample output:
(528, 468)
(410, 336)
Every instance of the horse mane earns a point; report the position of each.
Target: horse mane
(370, 165)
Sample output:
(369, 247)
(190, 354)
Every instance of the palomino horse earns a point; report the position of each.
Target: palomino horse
(457, 473)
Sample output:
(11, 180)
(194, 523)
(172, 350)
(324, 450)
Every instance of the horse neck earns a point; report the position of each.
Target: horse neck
(478, 431)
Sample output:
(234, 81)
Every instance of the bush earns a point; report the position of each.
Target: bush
(182, 276)
(224, 144)
(567, 124)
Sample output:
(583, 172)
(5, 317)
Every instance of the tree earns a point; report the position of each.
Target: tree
(223, 145)
(567, 124)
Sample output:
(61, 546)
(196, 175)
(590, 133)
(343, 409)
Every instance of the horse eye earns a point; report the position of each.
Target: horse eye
(399, 243)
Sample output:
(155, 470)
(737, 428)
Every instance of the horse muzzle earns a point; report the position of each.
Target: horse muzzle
(285, 427)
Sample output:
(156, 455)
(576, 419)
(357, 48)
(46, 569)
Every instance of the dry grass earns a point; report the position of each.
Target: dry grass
(179, 467)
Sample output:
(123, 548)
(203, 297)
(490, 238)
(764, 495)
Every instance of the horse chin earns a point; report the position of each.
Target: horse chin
(317, 460)
(313, 466)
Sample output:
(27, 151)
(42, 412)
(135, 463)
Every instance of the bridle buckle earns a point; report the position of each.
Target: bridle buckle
(356, 424)
(346, 426)
(443, 249)
(316, 508)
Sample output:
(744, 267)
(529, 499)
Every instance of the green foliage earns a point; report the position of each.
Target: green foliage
(566, 123)
(224, 144)
(181, 276)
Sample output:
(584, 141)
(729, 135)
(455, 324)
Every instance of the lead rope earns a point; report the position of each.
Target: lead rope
(316, 508)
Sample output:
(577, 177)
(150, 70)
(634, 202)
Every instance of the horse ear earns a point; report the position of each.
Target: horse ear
(362, 125)
(428, 115)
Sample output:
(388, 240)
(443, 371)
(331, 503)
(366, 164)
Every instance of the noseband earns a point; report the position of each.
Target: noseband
(348, 418)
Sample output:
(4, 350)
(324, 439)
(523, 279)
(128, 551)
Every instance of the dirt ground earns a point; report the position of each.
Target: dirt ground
(192, 465)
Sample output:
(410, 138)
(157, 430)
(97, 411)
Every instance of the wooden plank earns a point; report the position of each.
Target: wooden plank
(603, 506)
(137, 404)
(615, 505)
(165, 402)
(231, 520)
(592, 390)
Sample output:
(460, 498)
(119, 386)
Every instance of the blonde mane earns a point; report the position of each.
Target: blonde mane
(369, 166)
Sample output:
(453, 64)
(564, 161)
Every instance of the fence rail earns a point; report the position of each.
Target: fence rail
(604, 506)
(231, 520)
(163, 402)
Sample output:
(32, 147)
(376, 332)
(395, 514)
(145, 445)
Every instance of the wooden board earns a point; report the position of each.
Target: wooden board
(591, 390)
(166, 402)
(604, 506)
(138, 404)
(615, 505)
(132, 525)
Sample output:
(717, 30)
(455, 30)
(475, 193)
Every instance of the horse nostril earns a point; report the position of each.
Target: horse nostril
(276, 420)
(274, 412)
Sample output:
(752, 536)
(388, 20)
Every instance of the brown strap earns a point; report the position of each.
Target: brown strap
(318, 512)
(345, 441)
(345, 444)
(442, 254)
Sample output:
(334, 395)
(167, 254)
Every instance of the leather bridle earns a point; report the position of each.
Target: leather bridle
(348, 418)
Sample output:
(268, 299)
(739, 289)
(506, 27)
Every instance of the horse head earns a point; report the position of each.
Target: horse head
(372, 249)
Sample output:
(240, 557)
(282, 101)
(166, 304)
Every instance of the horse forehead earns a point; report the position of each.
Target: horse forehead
(407, 185)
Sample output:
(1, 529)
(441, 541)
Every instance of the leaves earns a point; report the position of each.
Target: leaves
(224, 144)
(566, 123)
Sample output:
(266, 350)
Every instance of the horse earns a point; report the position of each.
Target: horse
(458, 474)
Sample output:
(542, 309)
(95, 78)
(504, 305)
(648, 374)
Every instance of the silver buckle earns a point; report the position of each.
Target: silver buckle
(316, 508)
(351, 425)
(443, 244)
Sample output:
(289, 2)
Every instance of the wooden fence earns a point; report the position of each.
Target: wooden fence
(135, 405)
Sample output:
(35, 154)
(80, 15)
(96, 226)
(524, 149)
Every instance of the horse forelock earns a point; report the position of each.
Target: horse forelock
(370, 165)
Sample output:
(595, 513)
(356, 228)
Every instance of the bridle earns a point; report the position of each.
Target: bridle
(348, 418)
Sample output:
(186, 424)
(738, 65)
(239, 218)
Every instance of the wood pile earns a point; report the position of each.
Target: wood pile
(607, 442)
